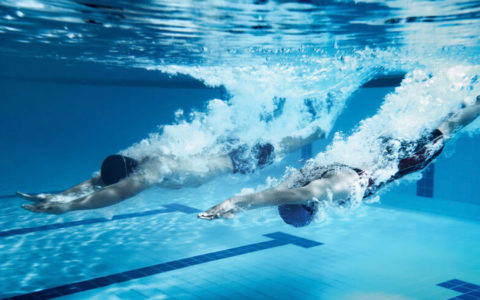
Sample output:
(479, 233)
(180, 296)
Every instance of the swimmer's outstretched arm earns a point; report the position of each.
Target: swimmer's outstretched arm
(292, 143)
(103, 197)
(336, 187)
(461, 119)
(93, 182)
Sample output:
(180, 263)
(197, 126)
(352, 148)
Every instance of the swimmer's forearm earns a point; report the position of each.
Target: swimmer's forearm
(460, 119)
(274, 197)
(293, 143)
(99, 199)
(109, 195)
(94, 181)
(334, 188)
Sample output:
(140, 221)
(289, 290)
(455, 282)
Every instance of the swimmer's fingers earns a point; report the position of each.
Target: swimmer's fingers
(223, 210)
(45, 207)
(34, 198)
(210, 216)
(29, 197)
(207, 216)
(32, 208)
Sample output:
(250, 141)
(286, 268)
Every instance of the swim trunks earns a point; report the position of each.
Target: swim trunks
(117, 167)
(246, 160)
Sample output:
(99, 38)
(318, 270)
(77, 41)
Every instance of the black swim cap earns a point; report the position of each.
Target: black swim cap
(116, 167)
(298, 215)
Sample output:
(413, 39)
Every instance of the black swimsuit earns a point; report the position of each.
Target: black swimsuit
(117, 167)
(246, 160)
(413, 157)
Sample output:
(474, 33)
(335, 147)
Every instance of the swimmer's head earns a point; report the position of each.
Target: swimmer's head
(298, 215)
(117, 167)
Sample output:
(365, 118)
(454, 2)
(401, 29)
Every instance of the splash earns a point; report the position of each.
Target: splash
(425, 98)
(269, 98)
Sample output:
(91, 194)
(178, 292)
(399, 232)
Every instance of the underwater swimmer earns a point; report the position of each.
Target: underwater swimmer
(122, 177)
(299, 195)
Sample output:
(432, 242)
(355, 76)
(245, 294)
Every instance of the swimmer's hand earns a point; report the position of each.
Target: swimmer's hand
(43, 203)
(34, 198)
(49, 207)
(225, 210)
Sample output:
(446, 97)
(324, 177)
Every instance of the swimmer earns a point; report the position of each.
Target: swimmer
(299, 195)
(122, 177)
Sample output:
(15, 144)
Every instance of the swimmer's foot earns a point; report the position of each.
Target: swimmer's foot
(34, 198)
(225, 210)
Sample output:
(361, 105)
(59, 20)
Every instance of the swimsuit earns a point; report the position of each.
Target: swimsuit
(246, 160)
(117, 167)
(413, 157)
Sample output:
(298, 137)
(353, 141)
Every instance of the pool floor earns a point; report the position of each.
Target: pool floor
(373, 252)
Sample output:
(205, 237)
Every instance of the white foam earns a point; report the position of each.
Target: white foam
(290, 95)
(424, 99)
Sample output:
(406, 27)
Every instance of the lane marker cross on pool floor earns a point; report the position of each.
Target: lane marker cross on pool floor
(470, 291)
(277, 239)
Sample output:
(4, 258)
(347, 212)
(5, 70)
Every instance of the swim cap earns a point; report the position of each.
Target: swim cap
(298, 215)
(116, 167)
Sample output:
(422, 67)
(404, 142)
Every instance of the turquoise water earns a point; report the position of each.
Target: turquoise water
(82, 80)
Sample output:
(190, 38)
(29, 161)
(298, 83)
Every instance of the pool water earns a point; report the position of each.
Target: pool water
(81, 80)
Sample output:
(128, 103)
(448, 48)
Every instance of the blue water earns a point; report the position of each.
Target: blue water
(81, 80)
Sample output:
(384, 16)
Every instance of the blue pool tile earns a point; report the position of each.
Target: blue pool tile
(279, 239)
(460, 288)
(102, 281)
(451, 283)
(471, 286)
(425, 185)
(467, 297)
(133, 274)
(85, 285)
(475, 293)
(163, 268)
(69, 289)
(117, 278)
(147, 271)
(169, 208)
(469, 290)
(306, 152)
(48, 294)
